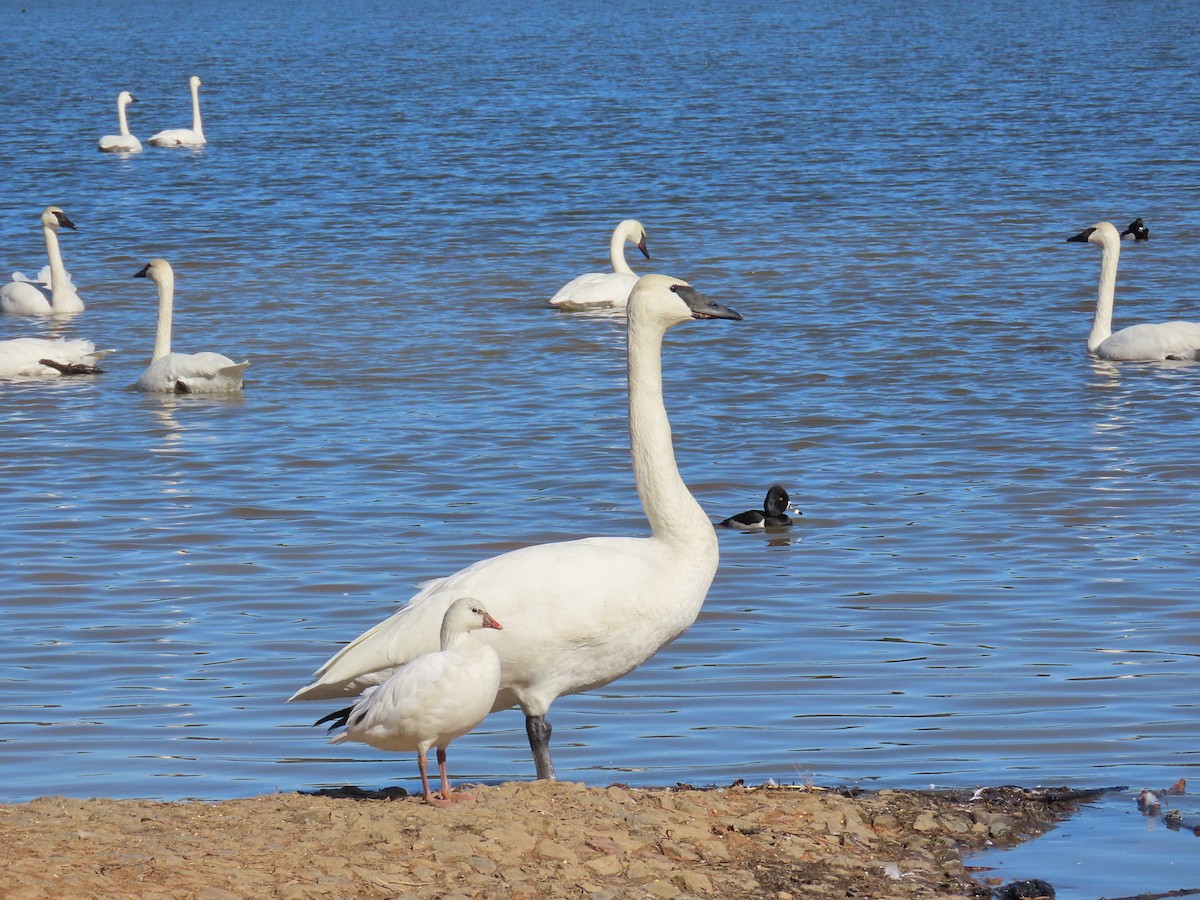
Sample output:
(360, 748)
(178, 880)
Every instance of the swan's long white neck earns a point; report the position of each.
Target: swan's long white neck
(616, 252)
(121, 118)
(196, 109)
(1110, 252)
(672, 511)
(166, 303)
(58, 272)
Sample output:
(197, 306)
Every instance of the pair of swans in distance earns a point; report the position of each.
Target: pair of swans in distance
(125, 142)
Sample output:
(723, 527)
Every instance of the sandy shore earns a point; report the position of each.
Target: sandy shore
(518, 840)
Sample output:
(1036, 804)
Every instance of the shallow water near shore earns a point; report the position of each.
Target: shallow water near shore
(994, 577)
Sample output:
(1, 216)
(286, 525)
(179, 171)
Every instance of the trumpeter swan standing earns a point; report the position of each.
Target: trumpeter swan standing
(772, 515)
(45, 358)
(605, 290)
(182, 373)
(1137, 231)
(432, 700)
(123, 142)
(1166, 340)
(577, 614)
(52, 294)
(184, 137)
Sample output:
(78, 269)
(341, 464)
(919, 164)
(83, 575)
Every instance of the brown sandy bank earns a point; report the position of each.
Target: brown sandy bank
(517, 840)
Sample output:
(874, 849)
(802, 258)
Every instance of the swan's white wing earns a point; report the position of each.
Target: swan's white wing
(23, 297)
(596, 290)
(546, 596)
(1165, 340)
(177, 137)
(199, 373)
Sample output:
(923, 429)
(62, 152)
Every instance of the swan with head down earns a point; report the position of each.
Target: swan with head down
(1165, 340)
(52, 294)
(605, 290)
(184, 137)
(577, 614)
(45, 358)
(182, 373)
(124, 142)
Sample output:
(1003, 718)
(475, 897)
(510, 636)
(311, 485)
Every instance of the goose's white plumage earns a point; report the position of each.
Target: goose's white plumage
(1164, 340)
(184, 137)
(605, 290)
(45, 358)
(182, 373)
(577, 614)
(124, 142)
(52, 294)
(434, 699)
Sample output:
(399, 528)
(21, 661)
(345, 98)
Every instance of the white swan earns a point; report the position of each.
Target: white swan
(581, 613)
(182, 373)
(605, 290)
(123, 142)
(45, 358)
(184, 137)
(431, 701)
(52, 294)
(1166, 340)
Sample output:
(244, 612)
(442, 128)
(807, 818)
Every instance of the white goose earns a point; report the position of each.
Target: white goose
(182, 373)
(123, 142)
(184, 137)
(605, 290)
(52, 293)
(1166, 340)
(45, 358)
(577, 614)
(431, 701)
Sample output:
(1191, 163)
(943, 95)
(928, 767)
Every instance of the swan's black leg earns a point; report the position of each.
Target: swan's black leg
(539, 730)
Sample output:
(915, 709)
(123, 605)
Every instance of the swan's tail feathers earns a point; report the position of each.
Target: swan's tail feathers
(234, 373)
(77, 368)
(43, 276)
(20, 276)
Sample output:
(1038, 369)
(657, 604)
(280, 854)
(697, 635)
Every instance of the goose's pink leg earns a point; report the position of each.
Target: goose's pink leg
(448, 795)
(429, 795)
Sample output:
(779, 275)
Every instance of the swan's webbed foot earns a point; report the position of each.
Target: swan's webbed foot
(538, 730)
(71, 368)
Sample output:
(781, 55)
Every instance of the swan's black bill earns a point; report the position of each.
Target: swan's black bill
(641, 245)
(1082, 236)
(701, 306)
(63, 221)
(141, 273)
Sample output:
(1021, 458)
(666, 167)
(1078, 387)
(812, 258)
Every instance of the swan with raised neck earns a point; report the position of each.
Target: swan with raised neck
(185, 137)
(577, 614)
(1148, 342)
(53, 294)
(124, 141)
(606, 290)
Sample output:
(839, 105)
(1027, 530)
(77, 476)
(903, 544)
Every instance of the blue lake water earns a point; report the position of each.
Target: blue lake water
(994, 578)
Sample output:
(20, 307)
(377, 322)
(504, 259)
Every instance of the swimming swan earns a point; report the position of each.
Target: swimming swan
(182, 373)
(52, 294)
(45, 358)
(184, 137)
(772, 515)
(605, 290)
(577, 614)
(1167, 340)
(123, 142)
(432, 700)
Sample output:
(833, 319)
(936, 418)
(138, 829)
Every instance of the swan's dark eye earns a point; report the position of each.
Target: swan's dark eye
(674, 289)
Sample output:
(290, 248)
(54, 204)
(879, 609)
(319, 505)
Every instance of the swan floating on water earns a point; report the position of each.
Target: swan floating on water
(123, 142)
(52, 293)
(605, 290)
(44, 358)
(1166, 340)
(772, 515)
(182, 373)
(184, 137)
(431, 701)
(1137, 231)
(577, 614)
